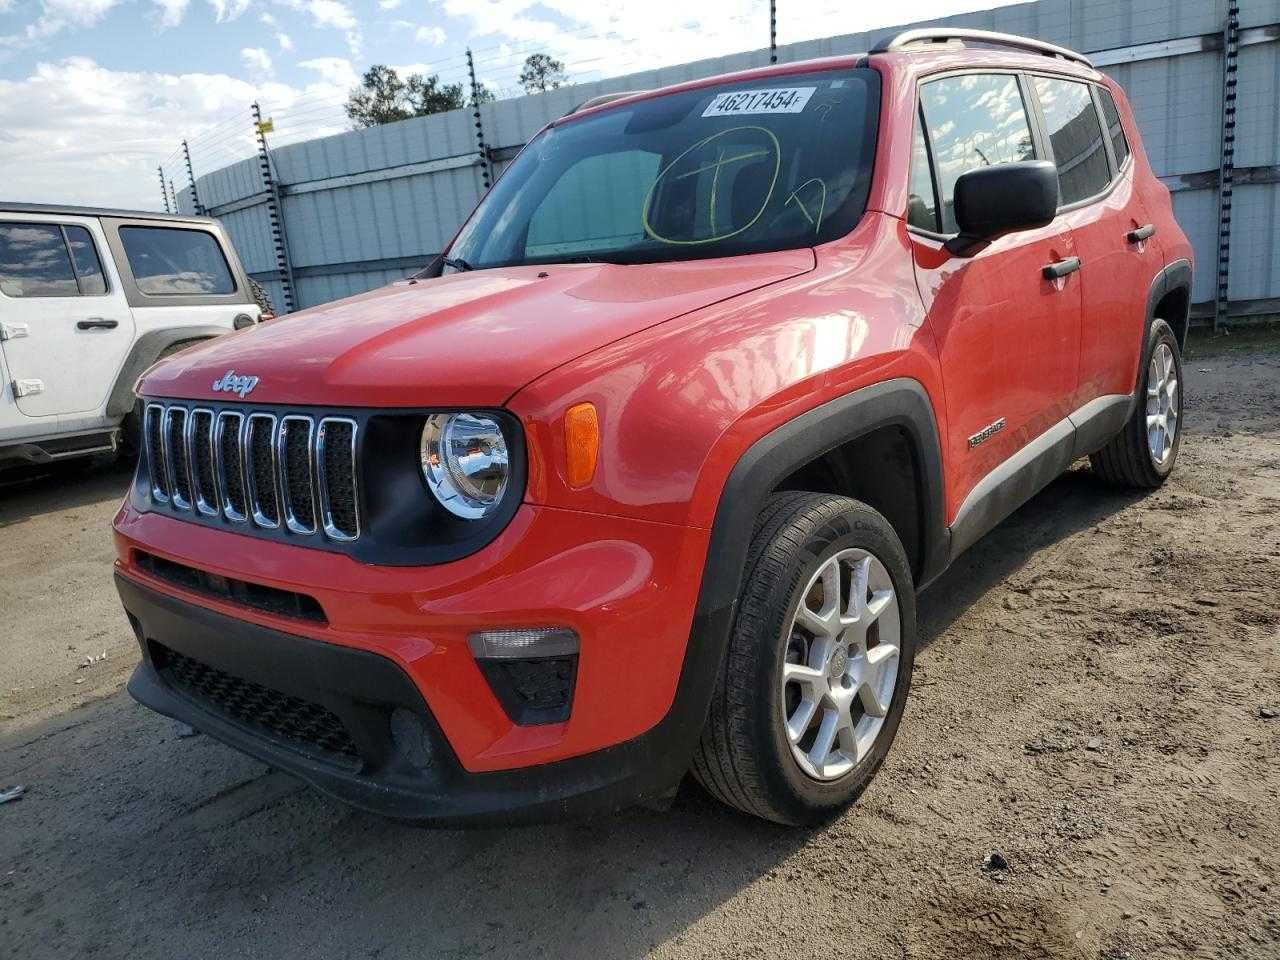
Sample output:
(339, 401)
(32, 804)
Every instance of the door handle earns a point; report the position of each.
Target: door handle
(97, 323)
(1142, 233)
(1063, 268)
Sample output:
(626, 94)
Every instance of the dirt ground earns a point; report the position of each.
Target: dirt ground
(1096, 700)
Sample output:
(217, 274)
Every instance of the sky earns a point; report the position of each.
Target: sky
(95, 94)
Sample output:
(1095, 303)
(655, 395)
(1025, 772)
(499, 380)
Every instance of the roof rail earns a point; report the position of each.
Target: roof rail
(603, 98)
(930, 35)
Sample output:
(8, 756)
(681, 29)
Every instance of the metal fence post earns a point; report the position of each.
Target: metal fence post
(773, 31)
(174, 194)
(275, 211)
(475, 106)
(1227, 161)
(164, 194)
(191, 179)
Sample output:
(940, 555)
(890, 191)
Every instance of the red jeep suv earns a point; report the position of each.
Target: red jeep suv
(643, 474)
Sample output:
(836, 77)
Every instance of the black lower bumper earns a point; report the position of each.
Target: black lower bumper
(355, 726)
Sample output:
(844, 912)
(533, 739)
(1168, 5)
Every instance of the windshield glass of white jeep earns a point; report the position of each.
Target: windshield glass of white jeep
(741, 167)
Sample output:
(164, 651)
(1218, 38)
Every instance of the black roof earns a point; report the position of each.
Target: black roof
(72, 211)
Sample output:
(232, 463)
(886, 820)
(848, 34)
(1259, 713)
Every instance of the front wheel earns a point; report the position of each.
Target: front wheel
(1142, 455)
(819, 663)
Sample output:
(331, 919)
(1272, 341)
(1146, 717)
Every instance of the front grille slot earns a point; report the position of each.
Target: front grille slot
(230, 450)
(294, 452)
(155, 453)
(336, 450)
(175, 454)
(309, 726)
(260, 450)
(288, 472)
(200, 443)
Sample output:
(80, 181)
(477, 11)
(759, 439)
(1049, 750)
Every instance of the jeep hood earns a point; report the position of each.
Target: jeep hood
(467, 339)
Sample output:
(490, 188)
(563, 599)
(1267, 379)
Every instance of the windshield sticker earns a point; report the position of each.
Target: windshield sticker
(737, 103)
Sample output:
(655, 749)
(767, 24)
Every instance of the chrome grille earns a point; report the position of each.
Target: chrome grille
(336, 456)
(200, 443)
(229, 464)
(293, 452)
(154, 436)
(290, 471)
(175, 455)
(260, 458)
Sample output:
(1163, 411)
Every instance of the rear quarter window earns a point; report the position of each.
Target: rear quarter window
(1076, 135)
(168, 261)
(1115, 129)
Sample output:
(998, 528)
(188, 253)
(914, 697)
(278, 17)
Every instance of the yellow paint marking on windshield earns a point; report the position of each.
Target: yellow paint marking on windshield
(722, 162)
(777, 168)
(822, 204)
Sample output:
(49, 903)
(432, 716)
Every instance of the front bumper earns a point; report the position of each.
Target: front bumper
(391, 667)
(404, 767)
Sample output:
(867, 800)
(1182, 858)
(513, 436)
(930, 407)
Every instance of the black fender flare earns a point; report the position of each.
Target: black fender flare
(146, 351)
(901, 402)
(1175, 276)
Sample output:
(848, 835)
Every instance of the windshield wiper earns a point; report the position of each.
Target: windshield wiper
(457, 263)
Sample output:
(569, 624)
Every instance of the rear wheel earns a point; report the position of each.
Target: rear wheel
(1142, 455)
(819, 662)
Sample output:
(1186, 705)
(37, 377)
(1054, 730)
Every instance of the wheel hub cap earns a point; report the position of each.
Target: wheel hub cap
(841, 668)
(1162, 404)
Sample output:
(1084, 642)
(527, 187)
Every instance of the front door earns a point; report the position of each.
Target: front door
(1008, 337)
(65, 326)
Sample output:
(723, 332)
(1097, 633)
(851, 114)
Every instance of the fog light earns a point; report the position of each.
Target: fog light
(532, 672)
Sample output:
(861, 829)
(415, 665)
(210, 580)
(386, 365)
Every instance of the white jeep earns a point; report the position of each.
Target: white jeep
(88, 300)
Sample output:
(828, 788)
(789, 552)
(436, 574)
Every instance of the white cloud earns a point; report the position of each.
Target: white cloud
(325, 13)
(432, 35)
(335, 72)
(283, 40)
(389, 4)
(56, 16)
(257, 61)
(81, 13)
(227, 10)
(171, 11)
(331, 13)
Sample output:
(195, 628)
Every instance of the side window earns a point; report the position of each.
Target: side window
(1114, 128)
(922, 204)
(569, 220)
(974, 121)
(34, 261)
(84, 255)
(1076, 135)
(168, 261)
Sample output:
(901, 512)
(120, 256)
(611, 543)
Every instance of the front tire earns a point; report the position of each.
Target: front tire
(1142, 455)
(818, 669)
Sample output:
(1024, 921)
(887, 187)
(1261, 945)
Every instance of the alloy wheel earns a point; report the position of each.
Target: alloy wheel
(1162, 404)
(841, 667)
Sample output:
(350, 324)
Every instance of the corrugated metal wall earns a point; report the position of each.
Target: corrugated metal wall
(364, 208)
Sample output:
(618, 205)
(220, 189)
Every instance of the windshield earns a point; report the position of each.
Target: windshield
(740, 167)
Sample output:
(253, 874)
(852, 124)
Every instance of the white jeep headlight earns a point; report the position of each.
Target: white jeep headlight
(466, 462)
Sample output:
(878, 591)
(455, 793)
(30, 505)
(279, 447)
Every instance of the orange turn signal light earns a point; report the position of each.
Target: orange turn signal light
(581, 443)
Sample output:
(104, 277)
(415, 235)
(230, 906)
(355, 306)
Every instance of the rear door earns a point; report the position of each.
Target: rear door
(64, 319)
(1008, 338)
(1111, 230)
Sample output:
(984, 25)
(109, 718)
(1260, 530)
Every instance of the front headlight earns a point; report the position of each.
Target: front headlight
(466, 463)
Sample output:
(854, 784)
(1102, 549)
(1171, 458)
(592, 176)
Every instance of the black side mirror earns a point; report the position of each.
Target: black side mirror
(992, 201)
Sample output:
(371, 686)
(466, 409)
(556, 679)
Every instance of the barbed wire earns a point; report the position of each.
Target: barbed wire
(587, 54)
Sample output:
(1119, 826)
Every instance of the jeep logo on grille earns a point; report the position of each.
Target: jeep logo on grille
(233, 382)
